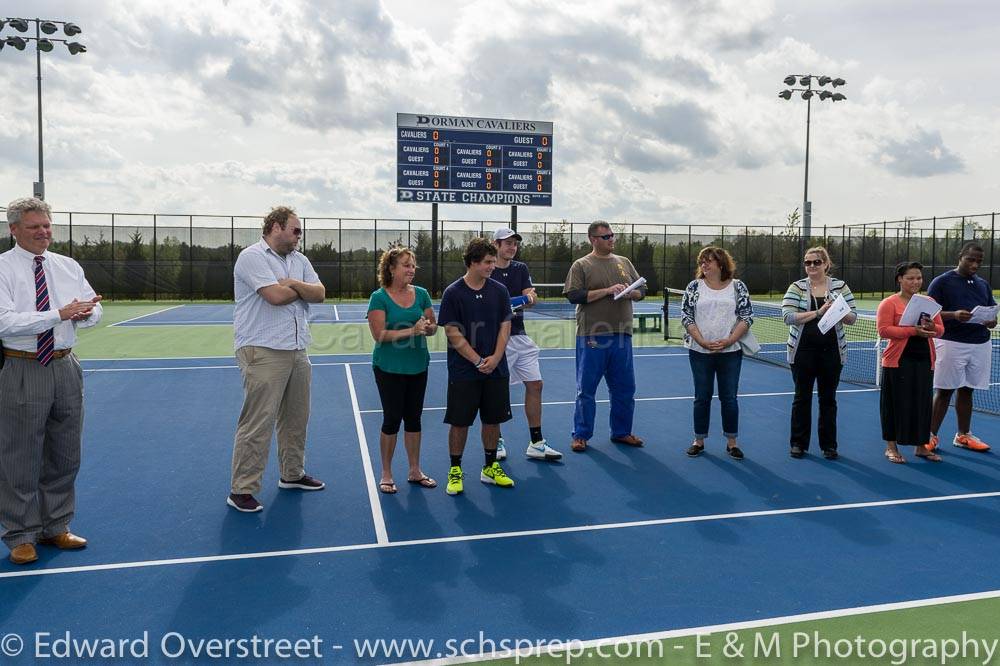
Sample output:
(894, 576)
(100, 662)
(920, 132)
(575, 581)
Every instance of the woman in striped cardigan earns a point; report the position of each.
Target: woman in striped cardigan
(815, 357)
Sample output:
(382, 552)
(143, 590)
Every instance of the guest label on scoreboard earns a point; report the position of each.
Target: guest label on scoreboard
(456, 159)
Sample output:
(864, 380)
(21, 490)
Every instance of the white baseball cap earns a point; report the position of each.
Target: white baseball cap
(504, 233)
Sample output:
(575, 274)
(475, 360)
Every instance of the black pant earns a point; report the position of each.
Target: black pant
(402, 399)
(815, 366)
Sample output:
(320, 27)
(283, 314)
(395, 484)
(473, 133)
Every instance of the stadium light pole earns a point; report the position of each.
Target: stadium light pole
(806, 81)
(45, 44)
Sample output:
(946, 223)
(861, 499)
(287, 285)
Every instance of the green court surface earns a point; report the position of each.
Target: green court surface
(950, 633)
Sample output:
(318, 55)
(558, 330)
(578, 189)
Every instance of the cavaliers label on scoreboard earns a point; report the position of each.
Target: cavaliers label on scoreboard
(454, 159)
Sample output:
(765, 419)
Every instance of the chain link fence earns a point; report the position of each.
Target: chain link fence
(180, 257)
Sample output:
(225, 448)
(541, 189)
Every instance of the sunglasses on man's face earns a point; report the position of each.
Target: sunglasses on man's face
(297, 231)
(812, 262)
(605, 237)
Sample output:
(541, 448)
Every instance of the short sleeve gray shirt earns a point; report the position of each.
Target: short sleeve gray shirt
(255, 321)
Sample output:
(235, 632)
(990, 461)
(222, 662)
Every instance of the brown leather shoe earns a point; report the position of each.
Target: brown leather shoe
(65, 541)
(579, 445)
(629, 440)
(23, 554)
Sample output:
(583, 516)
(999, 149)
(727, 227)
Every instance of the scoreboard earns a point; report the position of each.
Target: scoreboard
(454, 159)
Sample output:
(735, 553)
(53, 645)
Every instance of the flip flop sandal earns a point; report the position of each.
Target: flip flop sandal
(896, 458)
(387, 488)
(932, 457)
(424, 482)
(579, 445)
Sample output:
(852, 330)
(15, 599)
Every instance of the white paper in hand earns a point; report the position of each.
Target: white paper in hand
(838, 310)
(629, 289)
(918, 306)
(983, 313)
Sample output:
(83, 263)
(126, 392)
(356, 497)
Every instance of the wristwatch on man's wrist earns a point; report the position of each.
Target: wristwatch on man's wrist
(482, 362)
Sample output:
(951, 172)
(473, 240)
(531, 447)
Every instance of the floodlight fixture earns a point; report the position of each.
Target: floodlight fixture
(808, 93)
(42, 45)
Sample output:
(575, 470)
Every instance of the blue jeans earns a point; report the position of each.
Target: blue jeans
(706, 369)
(608, 356)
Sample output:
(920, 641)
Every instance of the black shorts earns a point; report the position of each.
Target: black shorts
(490, 397)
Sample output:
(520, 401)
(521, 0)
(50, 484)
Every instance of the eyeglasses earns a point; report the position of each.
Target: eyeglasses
(812, 262)
(605, 237)
(297, 231)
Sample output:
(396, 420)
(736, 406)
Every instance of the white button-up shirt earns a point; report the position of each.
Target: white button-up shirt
(20, 322)
(255, 321)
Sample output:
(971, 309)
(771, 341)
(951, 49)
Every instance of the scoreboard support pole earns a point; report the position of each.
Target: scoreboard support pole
(513, 218)
(434, 249)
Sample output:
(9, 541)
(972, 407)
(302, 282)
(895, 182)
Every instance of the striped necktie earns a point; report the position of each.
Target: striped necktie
(46, 339)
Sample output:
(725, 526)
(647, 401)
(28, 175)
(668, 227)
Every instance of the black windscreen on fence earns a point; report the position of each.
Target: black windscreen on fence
(171, 257)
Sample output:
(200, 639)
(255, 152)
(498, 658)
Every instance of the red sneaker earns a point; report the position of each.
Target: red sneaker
(971, 442)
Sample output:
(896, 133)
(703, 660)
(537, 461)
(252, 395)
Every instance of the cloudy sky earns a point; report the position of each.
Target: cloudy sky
(663, 111)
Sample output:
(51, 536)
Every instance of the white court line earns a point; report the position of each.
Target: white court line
(315, 365)
(381, 536)
(498, 535)
(197, 358)
(336, 313)
(675, 397)
(125, 321)
(577, 646)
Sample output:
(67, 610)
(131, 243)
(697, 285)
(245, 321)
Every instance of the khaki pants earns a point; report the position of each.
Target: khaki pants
(276, 391)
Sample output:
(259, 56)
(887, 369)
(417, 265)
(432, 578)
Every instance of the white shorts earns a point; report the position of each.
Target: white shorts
(522, 360)
(961, 364)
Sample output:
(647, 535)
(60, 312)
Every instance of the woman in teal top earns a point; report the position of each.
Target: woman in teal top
(400, 317)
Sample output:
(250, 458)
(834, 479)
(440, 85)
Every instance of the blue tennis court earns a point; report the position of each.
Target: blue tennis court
(614, 542)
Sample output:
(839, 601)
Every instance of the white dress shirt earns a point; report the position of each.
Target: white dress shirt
(20, 322)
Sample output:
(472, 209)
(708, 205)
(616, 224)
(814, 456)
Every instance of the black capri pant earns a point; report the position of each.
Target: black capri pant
(402, 399)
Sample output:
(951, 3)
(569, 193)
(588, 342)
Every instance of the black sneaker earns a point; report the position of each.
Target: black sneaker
(695, 450)
(735, 452)
(244, 502)
(830, 454)
(305, 483)
(797, 452)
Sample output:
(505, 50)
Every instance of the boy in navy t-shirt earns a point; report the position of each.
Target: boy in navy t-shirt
(475, 312)
(965, 351)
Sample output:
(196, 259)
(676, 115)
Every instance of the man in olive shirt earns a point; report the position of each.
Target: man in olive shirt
(603, 336)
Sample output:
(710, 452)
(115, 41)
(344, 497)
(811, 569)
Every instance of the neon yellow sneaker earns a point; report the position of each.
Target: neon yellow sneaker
(454, 481)
(495, 475)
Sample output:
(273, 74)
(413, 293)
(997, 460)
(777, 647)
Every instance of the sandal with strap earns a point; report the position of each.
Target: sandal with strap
(424, 482)
(895, 457)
